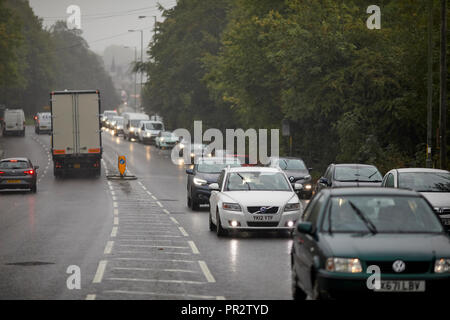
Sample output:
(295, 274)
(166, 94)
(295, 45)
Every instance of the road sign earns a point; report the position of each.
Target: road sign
(122, 163)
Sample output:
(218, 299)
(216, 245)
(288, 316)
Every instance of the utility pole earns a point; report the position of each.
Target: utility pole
(443, 93)
(429, 161)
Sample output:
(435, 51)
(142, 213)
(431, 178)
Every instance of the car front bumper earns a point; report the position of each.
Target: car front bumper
(254, 222)
(340, 285)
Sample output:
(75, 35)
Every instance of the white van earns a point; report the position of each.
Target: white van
(43, 122)
(149, 130)
(131, 124)
(14, 122)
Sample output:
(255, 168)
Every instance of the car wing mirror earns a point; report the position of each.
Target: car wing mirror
(189, 171)
(305, 227)
(298, 186)
(214, 187)
(323, 181)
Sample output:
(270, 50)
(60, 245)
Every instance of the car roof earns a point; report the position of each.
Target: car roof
(361, 191)
(353, 165)
(253, 169)
(18, 159)
(400, 170)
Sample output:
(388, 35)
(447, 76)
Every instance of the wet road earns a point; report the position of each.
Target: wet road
(131, 239)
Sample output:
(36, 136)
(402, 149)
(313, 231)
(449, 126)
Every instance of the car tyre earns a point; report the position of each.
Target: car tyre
(297, 293)
(220, 231)
(212, 226)
(34, 188)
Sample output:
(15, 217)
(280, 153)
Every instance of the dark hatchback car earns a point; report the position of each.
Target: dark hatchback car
(350, 175)
(296, 171)
(18, 173)
(205, 172)
(348, 233)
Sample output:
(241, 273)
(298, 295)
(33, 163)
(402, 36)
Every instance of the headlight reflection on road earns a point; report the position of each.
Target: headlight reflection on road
(117, 140)
(131, 147)
(147, 153)
(233, 254)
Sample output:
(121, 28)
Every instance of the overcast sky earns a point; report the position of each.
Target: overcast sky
(111, 19)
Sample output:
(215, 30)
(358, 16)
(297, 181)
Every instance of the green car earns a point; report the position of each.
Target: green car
(376, 242)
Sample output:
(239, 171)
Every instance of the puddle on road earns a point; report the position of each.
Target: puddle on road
(29, 263)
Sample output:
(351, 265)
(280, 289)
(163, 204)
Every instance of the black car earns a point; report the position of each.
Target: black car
(350, 175)
(376, 242)
(18, 173)
(205, 172)
(296, 171)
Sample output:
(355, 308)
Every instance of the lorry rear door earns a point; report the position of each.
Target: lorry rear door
(88, 123)
(63, 111)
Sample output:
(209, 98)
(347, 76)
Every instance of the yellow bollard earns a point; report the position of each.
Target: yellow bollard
(122, 164)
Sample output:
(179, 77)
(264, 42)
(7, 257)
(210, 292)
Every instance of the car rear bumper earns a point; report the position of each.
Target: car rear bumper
(347, 286)
(19, 182)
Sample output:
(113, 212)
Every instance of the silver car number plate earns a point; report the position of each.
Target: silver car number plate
(262, 218)
(401, 286)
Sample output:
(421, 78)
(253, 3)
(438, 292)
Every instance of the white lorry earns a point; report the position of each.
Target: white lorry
(76, 134)
(131, 123)
(14, 122)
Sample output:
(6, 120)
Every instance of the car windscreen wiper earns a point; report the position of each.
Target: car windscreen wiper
(372, 174)
(361, 215)
(243, 180)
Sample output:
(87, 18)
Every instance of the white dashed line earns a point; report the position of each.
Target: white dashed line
(183, 232)
(193, 247)
(189, 296)
(109, 246)
(116, 212)
(174, 220)
(115, 205)
(116, 221)
(100, 271)
(154, 198)
(91, 297)
(209, 277)
(166, 211)
(114, 232)
(155, 280)
(159, 204)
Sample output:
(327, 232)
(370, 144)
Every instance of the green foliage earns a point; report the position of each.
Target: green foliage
(35, 61)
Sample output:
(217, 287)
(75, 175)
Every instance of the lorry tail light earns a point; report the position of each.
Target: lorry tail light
(94, 150)
(59, 151)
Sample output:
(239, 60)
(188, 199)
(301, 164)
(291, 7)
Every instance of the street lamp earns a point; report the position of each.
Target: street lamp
(135, 80)
(142, 55)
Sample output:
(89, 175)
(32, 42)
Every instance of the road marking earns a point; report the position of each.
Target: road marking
(162, 251)
(149, 193)
(116, 212)
(113, 192)
(154, 198)
(155, 280)
(150, 269)
(114, 232)
(209, 277)
(156, 260)
(159, 204)
(190, 296)
(158, 235)
(174, 220)
(116, 221)
(114, 198)
(100, 271)
(166, 211)
(183, 232)
(109, 246)
(147, 246)
(115, 205)
(193, 247)
(91, 297)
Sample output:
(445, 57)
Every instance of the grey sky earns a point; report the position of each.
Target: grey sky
(110, 19)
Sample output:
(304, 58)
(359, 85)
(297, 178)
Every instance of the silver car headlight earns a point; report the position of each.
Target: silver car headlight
(292, 206)
(352, 265)
(200, 182)
(231, 206)
(442, 265)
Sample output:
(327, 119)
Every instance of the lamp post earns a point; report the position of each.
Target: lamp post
(135, 77)
(142, 56)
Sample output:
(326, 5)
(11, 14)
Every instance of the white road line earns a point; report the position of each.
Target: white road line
(149, 234)
(113, 193)
(155, 280)
(189, 296)
(116, 221)
(147, 246)
(114, 232)
(150, 269)
(183, 232)
(162, 251)
(115, 204)
(109, 246)
(91, 297)
(116, 212)
(174, 220)
(154, 198)
(193, 247)
(209, 277)
(166, 211)
(100, 271)
(159, 204)
(114, 198)
(155, 260)
(149, 193)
